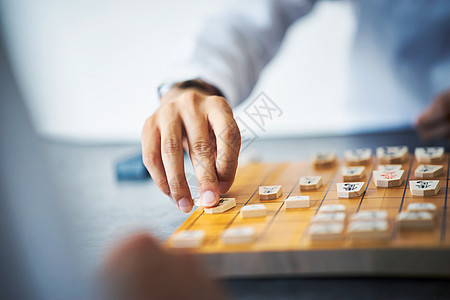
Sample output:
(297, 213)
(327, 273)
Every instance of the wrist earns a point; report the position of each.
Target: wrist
(194, 84)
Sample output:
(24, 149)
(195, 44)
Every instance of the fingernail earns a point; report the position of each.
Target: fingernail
(185, 205)
(208, 198)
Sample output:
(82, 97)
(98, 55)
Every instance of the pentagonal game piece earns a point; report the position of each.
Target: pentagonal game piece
(324, 159)
(297, 202)
(223, 205)
(424, 187)
(428, 207)
(328, 217)
(388, 178)
(269, 192)
(368, 230)
(368, 215)
(350, 189)
(353, 173)
(429, 171)
(307, 183)
(188, 239)
(253, 211)
(429, 155)
(415, 220)
(326, 231)
(389, 167)
(356, 157)
(238, 235)
(332, 208)
(392, 155)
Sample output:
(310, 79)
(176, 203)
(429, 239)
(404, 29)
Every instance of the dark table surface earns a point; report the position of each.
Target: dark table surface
(105, 210)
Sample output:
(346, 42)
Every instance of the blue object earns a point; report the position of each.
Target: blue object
(131, 169)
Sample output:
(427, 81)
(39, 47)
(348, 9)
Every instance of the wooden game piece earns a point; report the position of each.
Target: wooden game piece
(329, 217)
(424, 187)
(389, 167)
(238, 235)
(353, 173)
(297, 202)
(356, 157)
(415, 220)
(429, 155)
(388, 178)
(350, 189)
(224, 205)
(332, 208)
(392, 155)
(429, 171)
(188, 239)
(310, 182)
(324, 159)
(326, 231)
(253, 211)
(269, 192)
(368, 230)
(369, 215)
(428, 207)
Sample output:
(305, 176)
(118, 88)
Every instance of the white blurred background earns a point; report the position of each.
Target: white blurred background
(89, 69)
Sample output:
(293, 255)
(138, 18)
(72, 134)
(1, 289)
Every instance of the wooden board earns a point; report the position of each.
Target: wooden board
(282, 246)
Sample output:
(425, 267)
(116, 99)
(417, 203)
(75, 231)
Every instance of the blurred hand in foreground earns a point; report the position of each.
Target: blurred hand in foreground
(140, 269)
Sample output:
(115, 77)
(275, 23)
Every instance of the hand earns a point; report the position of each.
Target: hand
(139, 269)
(204, 124)
(435, 121)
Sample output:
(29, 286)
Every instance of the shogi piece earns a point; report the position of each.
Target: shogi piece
(353, 173)
(369, 215)
(269, 192)
(415, 220)
(253, 211)
(310, 183)
(350, 189)
(238, 235)
(424, 187)
(388, 178)
(324, 159)
(357, 157)
(429, 171)
(188, 239)
(224, 205)
(297, 202)
(332, 208)
(389, 167)
(326, 231)
(392, 155)
(429, 155)
(428, 207)
(334, 217)
(368, 230)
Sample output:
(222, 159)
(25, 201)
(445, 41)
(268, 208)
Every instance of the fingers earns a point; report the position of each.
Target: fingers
(435, 122)
(173, 160)
(228, 139)
(202, 152)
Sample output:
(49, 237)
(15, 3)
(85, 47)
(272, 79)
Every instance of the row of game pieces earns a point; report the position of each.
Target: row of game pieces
(327, 225)
(385, 155)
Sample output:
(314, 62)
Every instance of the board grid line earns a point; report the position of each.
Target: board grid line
(329, 187)
(367, 186)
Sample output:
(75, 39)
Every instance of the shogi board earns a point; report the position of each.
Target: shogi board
(282, 246)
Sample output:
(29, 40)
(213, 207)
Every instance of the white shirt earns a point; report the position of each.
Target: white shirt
(400, 59)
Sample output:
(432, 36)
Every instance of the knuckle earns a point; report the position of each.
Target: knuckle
(221, 102)
(201, 148)
(232, 134)
(178, 186)
(190, 98)
(208, 178)
(171, 146)
(150, 159)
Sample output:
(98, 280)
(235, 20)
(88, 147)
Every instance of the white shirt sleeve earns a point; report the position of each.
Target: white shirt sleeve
(233, 47)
